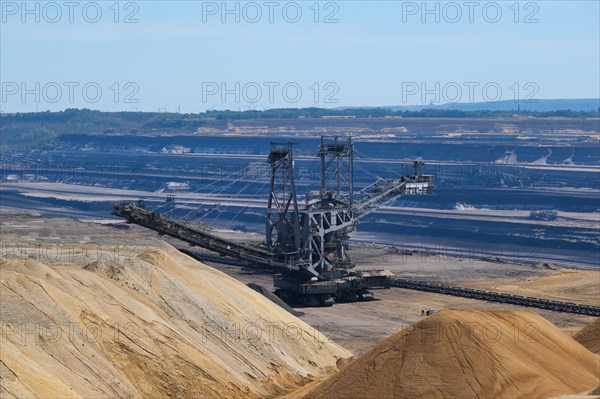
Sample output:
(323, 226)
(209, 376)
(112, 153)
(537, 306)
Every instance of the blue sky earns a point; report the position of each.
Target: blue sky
(193, 55)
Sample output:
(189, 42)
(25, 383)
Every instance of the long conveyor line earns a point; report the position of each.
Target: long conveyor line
(491, 296)
(558, 306)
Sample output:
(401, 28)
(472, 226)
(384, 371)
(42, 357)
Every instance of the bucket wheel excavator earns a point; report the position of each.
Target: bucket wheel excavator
(306, 246)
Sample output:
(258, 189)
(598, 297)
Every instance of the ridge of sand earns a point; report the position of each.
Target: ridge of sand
(589, 336)
(468, 354)
(153, 324)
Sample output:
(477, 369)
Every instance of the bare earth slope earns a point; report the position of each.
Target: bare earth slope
(589, 336)
(468, 354)
(155, 324)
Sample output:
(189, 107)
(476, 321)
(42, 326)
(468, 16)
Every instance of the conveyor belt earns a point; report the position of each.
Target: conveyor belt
(243, 254)
(200, 236)
(558, 306)
(223, 260)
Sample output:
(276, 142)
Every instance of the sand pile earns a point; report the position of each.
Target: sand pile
(468, 354)
(589, 336)
(154, 324)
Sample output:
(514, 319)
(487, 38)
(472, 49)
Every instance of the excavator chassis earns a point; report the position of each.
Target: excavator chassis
(326, 293)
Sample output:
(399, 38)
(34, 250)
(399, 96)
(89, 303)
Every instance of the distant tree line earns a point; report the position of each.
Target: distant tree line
(37, 128)
(177, 120)
(293, 113)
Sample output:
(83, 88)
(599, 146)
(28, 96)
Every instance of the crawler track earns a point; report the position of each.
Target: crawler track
(558, 306)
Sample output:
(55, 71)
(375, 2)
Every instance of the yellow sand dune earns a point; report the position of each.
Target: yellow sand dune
(468, 354)
(157, 324)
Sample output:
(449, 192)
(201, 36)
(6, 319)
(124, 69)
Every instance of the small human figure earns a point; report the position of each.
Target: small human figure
(422, 312)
